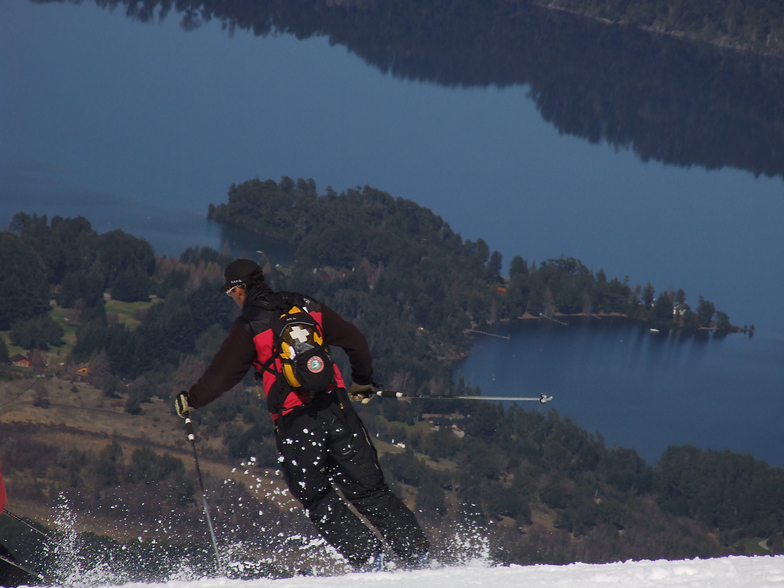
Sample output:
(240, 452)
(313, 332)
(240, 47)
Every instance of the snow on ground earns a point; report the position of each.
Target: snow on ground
(726, 572)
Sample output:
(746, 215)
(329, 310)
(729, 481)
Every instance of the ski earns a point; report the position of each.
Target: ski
(28, 525)
(12, 573)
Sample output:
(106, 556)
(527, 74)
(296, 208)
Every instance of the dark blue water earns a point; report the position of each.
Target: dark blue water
(141, 126)
(99, 112)
(641, 389)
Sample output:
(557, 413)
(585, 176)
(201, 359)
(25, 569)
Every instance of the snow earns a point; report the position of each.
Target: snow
(726, 572)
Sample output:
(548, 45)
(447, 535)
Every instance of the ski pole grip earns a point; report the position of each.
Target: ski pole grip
(189, 429)
(389, 394)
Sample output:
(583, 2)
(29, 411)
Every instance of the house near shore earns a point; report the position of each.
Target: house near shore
(82, 371)
(21, 361)
(447, 421)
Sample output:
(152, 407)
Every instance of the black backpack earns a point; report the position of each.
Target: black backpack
(298, 340)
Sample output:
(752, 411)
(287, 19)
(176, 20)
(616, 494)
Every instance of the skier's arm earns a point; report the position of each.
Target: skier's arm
(228, 367)
(338, 331)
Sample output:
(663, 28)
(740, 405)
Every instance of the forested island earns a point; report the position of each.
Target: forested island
(405, 267)
(102, 317)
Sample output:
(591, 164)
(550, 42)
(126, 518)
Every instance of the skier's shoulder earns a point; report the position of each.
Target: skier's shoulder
(257, 315)
(285, 297)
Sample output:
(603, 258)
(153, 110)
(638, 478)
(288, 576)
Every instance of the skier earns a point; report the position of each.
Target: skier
(321, 439)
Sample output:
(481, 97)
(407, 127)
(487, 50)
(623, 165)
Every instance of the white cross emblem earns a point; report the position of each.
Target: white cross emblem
(299, 334)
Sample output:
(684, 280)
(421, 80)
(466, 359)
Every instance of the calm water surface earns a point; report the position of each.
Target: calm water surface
(141, 126)
(644, 390)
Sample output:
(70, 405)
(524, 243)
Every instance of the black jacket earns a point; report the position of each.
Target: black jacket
(248, 344)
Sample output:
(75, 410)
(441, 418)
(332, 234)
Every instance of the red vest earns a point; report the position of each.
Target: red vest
(258, 320)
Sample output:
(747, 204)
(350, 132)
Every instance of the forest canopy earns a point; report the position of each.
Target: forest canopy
(416, 289)
(408, 280)
(413, 285)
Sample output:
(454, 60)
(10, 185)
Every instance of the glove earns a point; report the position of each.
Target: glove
(182, 406)
(361, 392)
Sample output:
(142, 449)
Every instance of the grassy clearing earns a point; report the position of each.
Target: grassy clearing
(12, 349)
(58, 355)
(60, 316)
(125, 311)
(754, 546)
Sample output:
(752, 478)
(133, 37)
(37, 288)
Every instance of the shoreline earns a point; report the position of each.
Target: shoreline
(482, 328)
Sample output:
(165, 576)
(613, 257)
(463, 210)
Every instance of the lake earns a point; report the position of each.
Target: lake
(542, 133)
(642, 389)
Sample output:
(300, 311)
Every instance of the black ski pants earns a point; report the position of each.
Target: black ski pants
(324, 446)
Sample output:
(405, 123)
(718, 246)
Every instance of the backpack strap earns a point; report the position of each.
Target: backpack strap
(278, 302)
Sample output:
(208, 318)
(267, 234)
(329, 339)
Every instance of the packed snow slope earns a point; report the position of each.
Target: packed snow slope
(727, 572)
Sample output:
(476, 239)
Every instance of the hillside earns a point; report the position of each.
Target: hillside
(111, 460)
(53, 451)
(65, 416)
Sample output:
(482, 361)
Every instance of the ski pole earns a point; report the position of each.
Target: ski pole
(192, 439)
(24, 522)
(542, 399)
(12, 561)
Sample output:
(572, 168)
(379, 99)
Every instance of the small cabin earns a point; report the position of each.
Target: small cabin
(82, 372)
(20, 360)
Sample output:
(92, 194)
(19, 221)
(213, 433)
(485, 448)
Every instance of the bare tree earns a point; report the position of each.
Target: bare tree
(37, 359)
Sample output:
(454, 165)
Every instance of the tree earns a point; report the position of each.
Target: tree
(662, 309)
(722, 322)
(548, 303)
(518, 267)
(4, 356)
(647, 295)
(37, 359)
(140, 391)
(119, 252)
(689, 319)
(131, 285)
(86, 286)
(98, 368)
(148, 468)
(721, 489)
(680, 296)
(67, 246)
(37, 333)
(494, 265)
(601, 292)
(74, 242)
(24, 289)
(107, 466)
(568, 280)
(705, 310)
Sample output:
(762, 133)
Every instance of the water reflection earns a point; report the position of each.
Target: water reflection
(668, 100)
